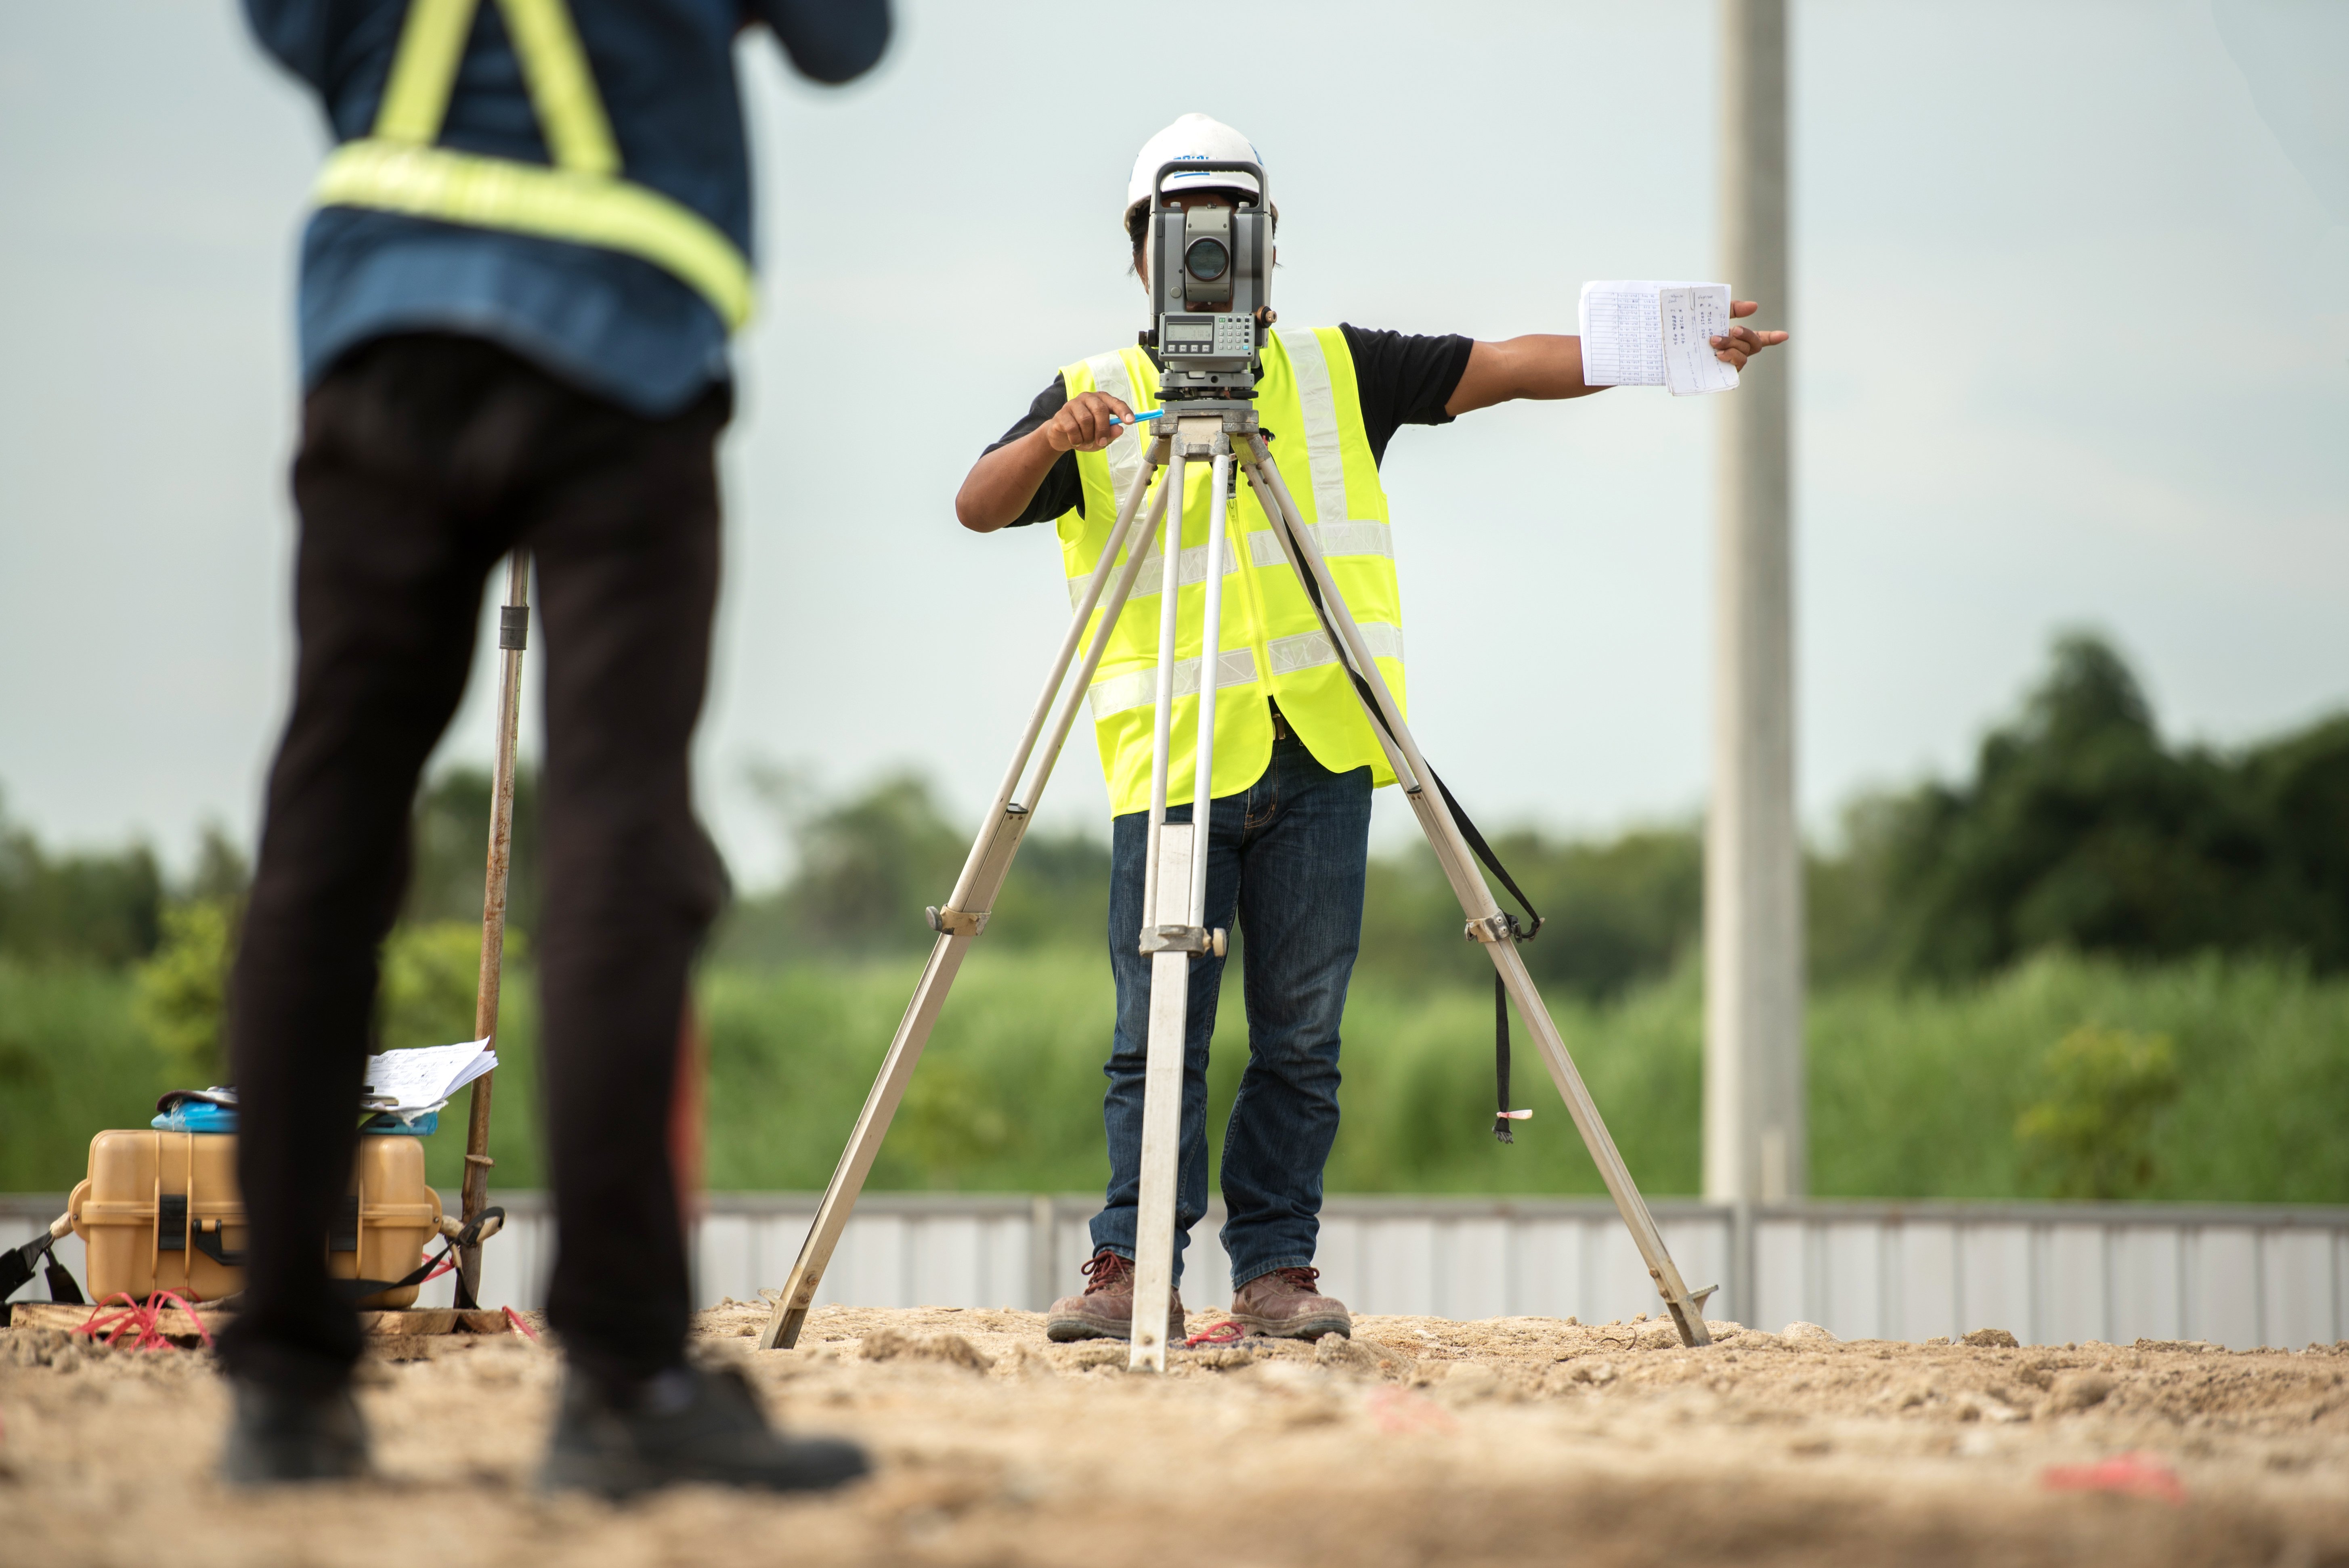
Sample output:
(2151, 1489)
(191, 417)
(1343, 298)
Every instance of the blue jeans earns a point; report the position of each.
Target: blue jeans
(1286, 857)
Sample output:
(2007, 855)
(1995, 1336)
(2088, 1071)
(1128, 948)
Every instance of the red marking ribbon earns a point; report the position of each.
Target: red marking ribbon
(137, 1321)
(2132, 1475)
(1223, 1333)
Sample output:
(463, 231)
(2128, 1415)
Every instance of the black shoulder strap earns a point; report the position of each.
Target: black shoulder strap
(1482, 851)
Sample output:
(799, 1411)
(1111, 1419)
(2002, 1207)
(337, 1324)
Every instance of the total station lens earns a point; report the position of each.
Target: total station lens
(1207, 260)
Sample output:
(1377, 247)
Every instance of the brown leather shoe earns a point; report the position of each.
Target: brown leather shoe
(1284, 1304)
(1105, 1310)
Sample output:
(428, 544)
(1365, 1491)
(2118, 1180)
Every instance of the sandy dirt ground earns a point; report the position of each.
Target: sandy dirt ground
(1419, 1442)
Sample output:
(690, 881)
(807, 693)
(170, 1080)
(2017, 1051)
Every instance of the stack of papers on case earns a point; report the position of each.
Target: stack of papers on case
(409, 1083)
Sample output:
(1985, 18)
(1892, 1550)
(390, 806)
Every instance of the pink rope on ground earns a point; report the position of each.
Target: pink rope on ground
(2138, 1474)
(1223, 1333)
(141, 1317)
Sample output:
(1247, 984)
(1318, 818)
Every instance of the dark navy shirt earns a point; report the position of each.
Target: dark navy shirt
(614, 325)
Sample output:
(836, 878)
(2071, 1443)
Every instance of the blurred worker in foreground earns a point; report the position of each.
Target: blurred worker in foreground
(531, 247)
(1295, 760)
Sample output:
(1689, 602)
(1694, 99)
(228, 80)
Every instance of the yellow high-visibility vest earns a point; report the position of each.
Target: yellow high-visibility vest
(1273, 647)
(583, 198)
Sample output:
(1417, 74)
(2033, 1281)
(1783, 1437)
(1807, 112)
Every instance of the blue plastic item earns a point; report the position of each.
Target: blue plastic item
(384, 1122)
(196, 1116)
(200, 1115)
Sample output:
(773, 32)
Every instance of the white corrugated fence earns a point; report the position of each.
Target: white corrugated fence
(2239, 1275)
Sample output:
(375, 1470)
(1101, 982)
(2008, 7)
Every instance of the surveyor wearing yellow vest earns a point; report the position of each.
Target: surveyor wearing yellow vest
(531, 246)
(1295, 760)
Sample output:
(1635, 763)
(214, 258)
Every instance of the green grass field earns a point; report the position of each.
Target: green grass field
(1913, 1093)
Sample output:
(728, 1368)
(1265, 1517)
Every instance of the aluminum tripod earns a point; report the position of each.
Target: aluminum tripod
(1175, 896)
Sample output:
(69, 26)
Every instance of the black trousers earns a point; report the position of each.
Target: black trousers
(423, 461)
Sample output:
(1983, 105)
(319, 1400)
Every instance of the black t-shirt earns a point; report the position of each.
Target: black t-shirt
(1402, 380)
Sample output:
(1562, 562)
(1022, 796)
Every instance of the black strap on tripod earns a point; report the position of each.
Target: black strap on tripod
(16, 1271)
(1482, 851)
(488, 1224)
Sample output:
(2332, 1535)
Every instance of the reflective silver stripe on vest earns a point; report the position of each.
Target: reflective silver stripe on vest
(1334, 539)
(1307, 649)
(1139, 688)
(1125, 454)
(1190, 569)
(1323, 454)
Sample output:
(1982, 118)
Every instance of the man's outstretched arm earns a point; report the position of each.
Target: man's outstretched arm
(1545, 366)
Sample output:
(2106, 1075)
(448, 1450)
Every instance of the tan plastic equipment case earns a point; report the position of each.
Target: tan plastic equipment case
(160, 1211)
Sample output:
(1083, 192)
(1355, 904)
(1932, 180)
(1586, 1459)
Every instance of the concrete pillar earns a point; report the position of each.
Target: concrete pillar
(1754, 1143)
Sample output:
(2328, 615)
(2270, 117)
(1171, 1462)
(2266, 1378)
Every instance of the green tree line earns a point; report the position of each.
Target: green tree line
(2081, 849)
(2080, 829)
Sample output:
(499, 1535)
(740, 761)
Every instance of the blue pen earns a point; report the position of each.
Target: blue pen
(1138, 418)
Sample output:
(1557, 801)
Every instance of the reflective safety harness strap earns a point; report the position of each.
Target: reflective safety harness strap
(553, 203)
(582, 199)
(424, 71)
(561, 89)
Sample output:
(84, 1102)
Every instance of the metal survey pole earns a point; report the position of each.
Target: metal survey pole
(1165, 897)
(513, 636)
(964, 915)
(1175, 896)
(1755, 1143)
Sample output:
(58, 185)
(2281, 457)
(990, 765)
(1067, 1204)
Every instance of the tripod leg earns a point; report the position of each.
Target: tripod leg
(1485, 922)
(1181, 890)
(1165, 870)
(1161, 1111)
(961, 922)
(1162, 713)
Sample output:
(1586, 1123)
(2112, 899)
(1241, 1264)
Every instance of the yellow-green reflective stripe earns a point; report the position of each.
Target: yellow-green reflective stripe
(561, 89)
(555, 203)
(431, 43)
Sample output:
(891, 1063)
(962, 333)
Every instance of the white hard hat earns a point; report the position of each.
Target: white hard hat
(1194, 136)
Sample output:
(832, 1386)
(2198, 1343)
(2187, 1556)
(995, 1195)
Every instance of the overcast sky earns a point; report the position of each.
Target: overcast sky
(2071, 349)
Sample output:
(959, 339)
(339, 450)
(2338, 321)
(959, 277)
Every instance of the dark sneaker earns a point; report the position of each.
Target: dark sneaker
(1105, 1310)
(281, 1435)
(690, 1425)
(1284, 1304)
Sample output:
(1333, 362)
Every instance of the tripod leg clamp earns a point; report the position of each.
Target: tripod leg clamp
(954, 922)
(1492, 928)
(1185, 939)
